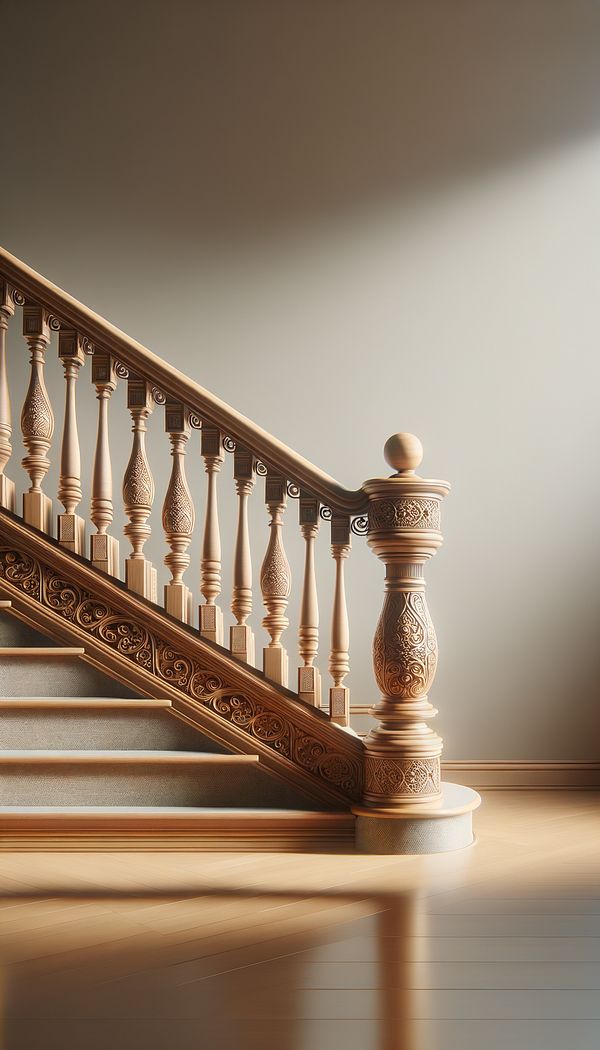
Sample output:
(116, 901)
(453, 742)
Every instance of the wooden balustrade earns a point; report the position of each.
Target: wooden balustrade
(7, 486)
(37, 419)
(178, 515)
(138, 491)
(71, 526)
(241, 637)
(275, 582)
(211, 616)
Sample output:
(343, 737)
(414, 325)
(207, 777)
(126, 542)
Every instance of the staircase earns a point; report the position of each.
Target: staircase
(132, 714)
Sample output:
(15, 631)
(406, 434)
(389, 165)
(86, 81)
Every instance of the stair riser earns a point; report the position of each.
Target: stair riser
(54, 676)
(98, 730)
(143, 784)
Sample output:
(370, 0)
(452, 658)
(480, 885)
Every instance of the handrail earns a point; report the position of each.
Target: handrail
(209, 407)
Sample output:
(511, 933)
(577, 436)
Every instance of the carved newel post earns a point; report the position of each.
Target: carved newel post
(406, 808)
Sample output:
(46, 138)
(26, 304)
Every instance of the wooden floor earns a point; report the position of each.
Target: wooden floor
(494, 948)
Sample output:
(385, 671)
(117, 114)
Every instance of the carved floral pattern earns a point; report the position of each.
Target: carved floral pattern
(333, 764)
(138, 486)
(405, 646)
(406, 513)
(412, 776)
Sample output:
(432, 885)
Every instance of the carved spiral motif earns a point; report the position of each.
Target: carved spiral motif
(261, 469)
(121, 370)
(335, 763)
(360, 526)
(158, 397)
(229, 444)
(292, 490)
(326, 513)
(195, 421)
(17, 297)
(405, 646)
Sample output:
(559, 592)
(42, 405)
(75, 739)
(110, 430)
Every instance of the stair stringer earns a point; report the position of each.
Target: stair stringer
(137, 644)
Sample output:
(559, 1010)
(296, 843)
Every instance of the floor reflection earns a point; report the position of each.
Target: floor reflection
(213, 971)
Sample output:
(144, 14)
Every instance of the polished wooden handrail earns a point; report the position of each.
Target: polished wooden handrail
(178, 387)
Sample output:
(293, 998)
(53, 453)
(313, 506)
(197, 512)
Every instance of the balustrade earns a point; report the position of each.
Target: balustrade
(37, 419)
(104, 547)
(241, 638)
(211, 616)
(7, 487)
(178, 514)
(138, 491)
(275, 582)
(71, 526)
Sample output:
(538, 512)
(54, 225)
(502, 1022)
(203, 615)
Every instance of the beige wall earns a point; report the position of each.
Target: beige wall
(349, 219)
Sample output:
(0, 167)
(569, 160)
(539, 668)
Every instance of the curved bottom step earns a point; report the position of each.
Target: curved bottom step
(176, 829)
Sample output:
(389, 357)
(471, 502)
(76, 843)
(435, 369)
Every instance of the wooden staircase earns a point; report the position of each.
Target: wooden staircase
(88, 772)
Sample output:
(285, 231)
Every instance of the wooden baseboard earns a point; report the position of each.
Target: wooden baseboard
(524, 775)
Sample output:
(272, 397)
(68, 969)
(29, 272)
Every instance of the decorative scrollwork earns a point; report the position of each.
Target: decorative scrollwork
(333, 758)
(87, 346)
(261, 469)
(325, 513)
(195, 421)
(387, 777)
(405, 646)
(17, 297)
(158, 397)
(292, 490)
(411, 512)
(54, 323)
(229, 444)
(121, 370)
(360, 526)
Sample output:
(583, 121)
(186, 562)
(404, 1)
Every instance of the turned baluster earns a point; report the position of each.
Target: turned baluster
(37, 420)
(339, 657)
(138, 491)
(178, 514)
(309, 679)
(211, 616)
(7, 487)
(104, 547)
(71, 526)
(241, 638)
(275, 582)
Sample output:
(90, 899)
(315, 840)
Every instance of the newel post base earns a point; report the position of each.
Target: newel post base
(405, 807)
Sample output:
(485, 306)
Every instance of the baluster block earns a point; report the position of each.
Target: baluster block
(178, 515)
(37, 420)
(309, 678)
(104, 548)
(70, 526)
(241, 637)
(138, 491)
(7, 486)
(276, 582)
(339, 656)
(211, 616)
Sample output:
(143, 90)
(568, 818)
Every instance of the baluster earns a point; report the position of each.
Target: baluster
(275, 582)
(138, 491)
(7, 487)
(309, 679)
(211, 616)
(104, 547)
(178, 514)
(339, 665)
(71, 526)
(241, 638)
(37, 420)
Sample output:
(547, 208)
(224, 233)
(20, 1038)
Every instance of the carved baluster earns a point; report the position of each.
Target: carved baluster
(339, 665)
(275, 582)
(403, 753)
(104, 547)
(37, 420)
(211, 616)
(309, 679)
(241, 638)
(7, 487)
(138, 491)
(178, 514)
(71, 526)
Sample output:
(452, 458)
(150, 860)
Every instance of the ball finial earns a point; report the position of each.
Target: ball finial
(403, 452)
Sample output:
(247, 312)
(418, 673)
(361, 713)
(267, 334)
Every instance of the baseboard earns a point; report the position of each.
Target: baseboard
(524, 775)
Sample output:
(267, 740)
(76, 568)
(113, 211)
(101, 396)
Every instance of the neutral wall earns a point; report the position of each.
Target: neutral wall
(349, 219)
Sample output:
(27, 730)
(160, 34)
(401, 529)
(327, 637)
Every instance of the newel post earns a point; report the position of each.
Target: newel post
(406, 808)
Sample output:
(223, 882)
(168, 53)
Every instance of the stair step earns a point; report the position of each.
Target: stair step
(80, 757)
(174, 828)
(43, 651)
(100, 703)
